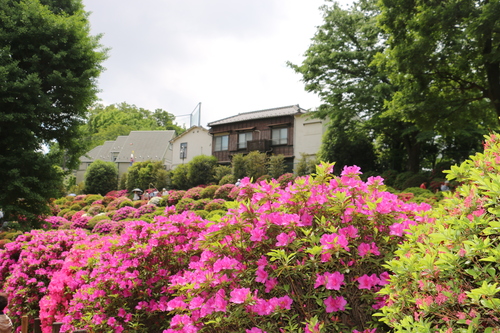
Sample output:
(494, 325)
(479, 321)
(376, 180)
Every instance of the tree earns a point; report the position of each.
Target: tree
(147, 174)
(276, 166)
(106, 123)
(101, 177)
(255, 164)
(338, 67)
(444, 58)
(201, 170)
(48, 68)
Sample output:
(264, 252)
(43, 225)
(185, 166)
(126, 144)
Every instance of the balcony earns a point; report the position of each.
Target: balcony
(260, 145)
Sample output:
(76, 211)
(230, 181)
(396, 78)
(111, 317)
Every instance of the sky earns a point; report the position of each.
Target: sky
(228, 55)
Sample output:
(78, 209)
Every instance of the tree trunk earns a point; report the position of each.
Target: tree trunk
(413, 152)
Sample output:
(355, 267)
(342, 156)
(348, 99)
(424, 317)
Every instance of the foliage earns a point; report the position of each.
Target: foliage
(446, 274)
(201, 170)
(306, 165)
(238, 166)
(180, 177)
(106, 123)
(221, 171)
(194, 193)
(227, 179)
(224, 191)
(101, 177)
(148, 174)
(255, 164)
(48, 68)
(285, 179)
(209, 191)
(276, 165)
(174, 197)
(450, 81)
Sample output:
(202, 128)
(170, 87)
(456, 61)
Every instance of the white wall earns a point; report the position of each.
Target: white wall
(199, 142)
(308, 134)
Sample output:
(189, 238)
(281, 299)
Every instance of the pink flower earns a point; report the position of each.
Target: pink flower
(284, 239)
(365, 248)
(258, 234)
(239, 295)
(254, 330)
(368, 282)
(261, 275)
(335, 304)
(334, 241)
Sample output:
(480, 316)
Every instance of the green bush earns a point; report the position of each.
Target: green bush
(209, 191)
(201, 213)
(445, 276)
(255, 164)
(239, 169)
(216, 215)
(401, 178)
(416, 180)
(228, 179)
(417, 191)
(221, 171)
(127, 202)
(101, 177)
(184, 204)
(276, 165)
(93, 221)
(201, 170)
(180, 179)
(91, 198)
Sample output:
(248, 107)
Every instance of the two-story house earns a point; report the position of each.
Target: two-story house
(284, 130)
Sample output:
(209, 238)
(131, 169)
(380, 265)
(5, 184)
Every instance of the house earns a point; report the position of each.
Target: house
(193, 142)
(285, 130)
(138, 146)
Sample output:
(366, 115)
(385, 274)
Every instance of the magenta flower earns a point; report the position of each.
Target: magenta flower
(255, 330)
(368, 282)
(334, 241)
(335, 304)
(365, 248)
(239, 295)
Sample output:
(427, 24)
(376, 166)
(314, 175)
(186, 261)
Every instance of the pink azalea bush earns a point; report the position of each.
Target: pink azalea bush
(310, 253)
(28, 264)
(126, 287)
(446, 273)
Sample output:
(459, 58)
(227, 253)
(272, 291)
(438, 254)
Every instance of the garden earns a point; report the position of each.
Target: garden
(314, 253)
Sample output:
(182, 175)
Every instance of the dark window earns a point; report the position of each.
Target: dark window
(184, 150)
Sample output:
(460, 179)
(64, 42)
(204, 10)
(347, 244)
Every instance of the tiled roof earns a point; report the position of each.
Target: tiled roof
(118, 144)
(269, 113)
(145, 145)
(104, 153)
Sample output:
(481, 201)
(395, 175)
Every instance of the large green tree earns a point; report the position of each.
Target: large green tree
(343, 67)
(106, 123)
(445, 58)
(49, 64)
(338, 67)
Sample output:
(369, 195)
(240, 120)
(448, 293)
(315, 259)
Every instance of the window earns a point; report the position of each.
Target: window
(280, 136)
(243, 138)
(184, 150)
(221, 142)
(114, 156)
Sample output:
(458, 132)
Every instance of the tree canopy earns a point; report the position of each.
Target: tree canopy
(49, 64)
(106, 123)
(355, 67)
(444, 57)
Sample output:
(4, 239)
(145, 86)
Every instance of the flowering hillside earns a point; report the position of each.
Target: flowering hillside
(307, 256)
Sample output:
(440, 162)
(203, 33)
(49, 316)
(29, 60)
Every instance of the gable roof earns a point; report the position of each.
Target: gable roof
(191, 129)
(118, 144)
(91, 155)
(104, 153)
(268, 113)
(145, 145)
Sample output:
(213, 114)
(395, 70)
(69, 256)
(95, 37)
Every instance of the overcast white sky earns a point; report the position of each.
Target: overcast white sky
(230, 55)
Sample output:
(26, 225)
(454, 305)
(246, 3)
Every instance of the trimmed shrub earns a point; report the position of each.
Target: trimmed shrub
(126, 203)
(209, 192)
(285, 179)
(201, 213)
(193, 193)
(224, 191)
(227, 179)
(216, 204)
(174, 197)
(91, 198)
(184, 204)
